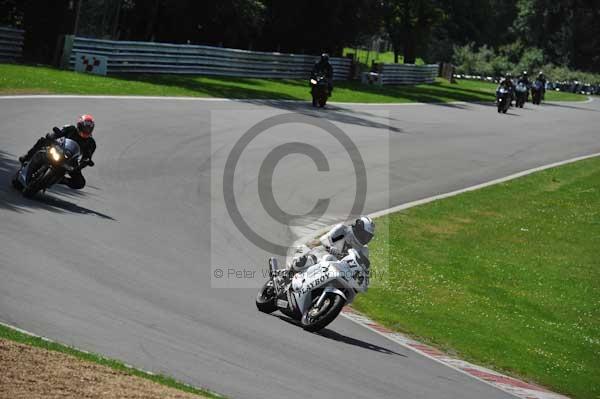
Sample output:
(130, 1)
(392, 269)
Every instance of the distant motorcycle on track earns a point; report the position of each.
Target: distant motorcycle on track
(503, 99)
(521, 92)
(536, 92)
(319, 90)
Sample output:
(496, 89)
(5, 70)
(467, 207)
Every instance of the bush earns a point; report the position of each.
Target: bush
(513, 58)
(512, 51)
(563, 74)
(482, 62)
(531, 60)
(465, 59)
(499, 65)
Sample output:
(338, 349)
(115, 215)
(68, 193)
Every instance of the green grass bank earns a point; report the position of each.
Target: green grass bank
(21, 79)
(507, 276)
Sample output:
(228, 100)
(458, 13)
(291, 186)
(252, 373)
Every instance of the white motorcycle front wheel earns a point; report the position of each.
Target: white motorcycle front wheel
(318, 317)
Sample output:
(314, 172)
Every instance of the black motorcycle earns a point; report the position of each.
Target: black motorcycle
(536, 92)
(521, 94)
(503, 99)
(319, 90)
(47, 167)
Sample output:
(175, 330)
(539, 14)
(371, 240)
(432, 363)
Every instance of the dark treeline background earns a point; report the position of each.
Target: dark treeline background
(562, 32)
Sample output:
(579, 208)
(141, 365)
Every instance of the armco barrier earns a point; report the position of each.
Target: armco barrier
(401, 74)
(145, 57)
(11, 44)
(395, 74)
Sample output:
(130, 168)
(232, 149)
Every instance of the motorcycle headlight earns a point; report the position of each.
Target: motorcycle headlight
(313, 81)
(55, 155)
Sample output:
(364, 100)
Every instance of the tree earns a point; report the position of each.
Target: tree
(43, 27)
(231, 23)
(567, 31)
(97, 18)
(314, 26)
(483, 62)
(151, 22)
(11, 13)
(409, 24)
(472, 21)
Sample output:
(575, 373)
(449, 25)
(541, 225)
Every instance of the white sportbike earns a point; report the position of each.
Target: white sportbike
(315, 296)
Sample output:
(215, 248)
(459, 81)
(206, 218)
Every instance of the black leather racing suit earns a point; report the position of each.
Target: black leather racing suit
(325, 68)
(523, 79)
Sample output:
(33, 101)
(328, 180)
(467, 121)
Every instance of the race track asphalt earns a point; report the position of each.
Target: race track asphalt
(126, 267)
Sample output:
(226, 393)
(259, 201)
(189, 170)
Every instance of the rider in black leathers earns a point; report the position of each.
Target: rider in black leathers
(542, 79)
(82, 134)
(510, 85)
(525, 80)
(324, 67)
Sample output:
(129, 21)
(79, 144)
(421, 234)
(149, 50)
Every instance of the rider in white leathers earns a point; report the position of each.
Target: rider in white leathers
(335, 244)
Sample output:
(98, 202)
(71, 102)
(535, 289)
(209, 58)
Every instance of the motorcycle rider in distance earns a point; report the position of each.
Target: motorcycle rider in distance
(324, 67)
(510, 86)
(542, 79)
(80, 133)
(334, 245)
(524, 79)
(506, 83)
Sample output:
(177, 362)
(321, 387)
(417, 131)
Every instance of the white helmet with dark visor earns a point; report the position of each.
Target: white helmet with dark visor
(363, 229)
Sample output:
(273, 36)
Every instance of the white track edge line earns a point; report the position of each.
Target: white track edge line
(481, 185)
(250, 100)
(426, 200)
(34, 335)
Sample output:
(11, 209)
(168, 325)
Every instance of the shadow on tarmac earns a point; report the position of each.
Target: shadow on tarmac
(12, 200)
(330, 334)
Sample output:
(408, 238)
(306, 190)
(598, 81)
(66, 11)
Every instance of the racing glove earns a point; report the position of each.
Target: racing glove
(84, 163)
(335, 252)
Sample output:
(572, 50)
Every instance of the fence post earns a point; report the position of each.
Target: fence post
(447, 72)
(66, 53)
(353, 72)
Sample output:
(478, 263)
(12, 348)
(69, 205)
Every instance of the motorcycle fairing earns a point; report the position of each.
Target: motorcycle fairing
(319, 275)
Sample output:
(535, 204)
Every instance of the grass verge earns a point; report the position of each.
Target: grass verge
(366, 57)
(20, 79)
(507, 276)
(14, 335)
